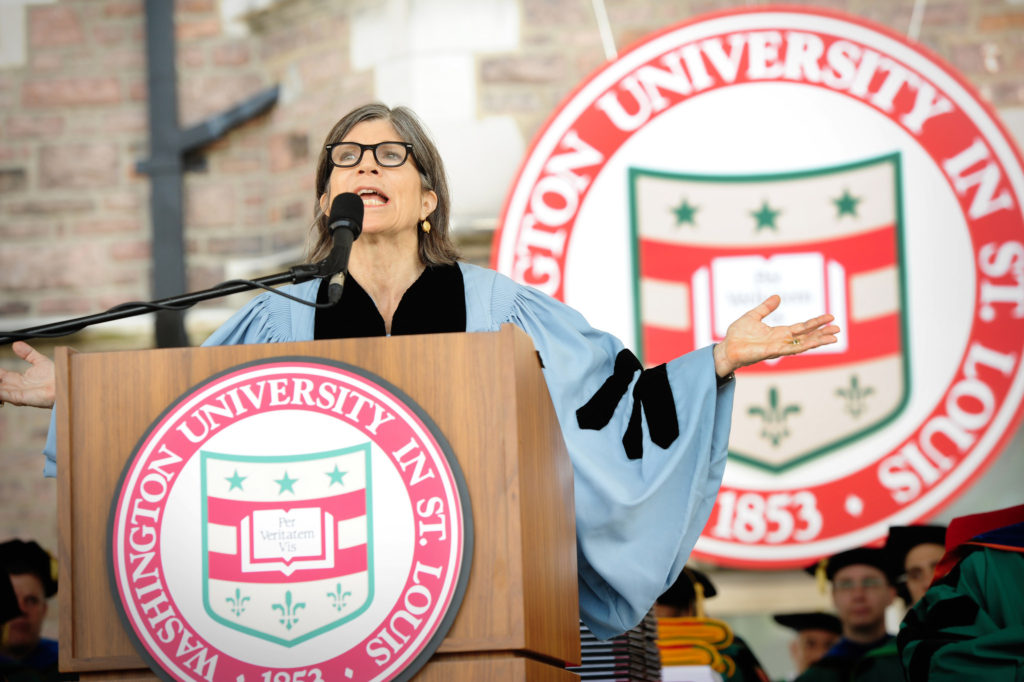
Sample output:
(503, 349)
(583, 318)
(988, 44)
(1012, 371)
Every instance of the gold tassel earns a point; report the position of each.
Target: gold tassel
(821, 575)
(698, 589)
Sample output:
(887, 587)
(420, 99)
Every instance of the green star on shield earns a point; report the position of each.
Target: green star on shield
(685, 213)
(235, 481)
(286, 484)
(765, 216)
(846, 204)
(336, 476)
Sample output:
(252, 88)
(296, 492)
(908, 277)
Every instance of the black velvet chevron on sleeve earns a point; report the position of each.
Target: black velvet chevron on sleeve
(931, 631)
(652, 392)
(598, 411)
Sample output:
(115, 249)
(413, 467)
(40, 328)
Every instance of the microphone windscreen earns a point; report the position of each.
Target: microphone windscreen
(347, 211)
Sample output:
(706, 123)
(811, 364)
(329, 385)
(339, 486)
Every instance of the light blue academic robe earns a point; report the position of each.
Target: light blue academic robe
(636, 519)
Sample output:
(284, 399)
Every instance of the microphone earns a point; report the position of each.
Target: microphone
(345, 222)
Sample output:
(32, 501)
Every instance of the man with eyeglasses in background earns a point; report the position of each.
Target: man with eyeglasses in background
(862, 589)
(914, 552)
(969, 625)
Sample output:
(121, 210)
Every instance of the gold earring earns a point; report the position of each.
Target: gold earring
(425, 226)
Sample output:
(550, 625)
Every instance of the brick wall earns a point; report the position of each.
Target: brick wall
(74, 215)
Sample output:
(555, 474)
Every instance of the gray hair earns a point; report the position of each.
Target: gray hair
(436, 247)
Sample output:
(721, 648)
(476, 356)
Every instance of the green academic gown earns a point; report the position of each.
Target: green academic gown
(839, 663)
(748, 668)
(970, 623)
(880, 665)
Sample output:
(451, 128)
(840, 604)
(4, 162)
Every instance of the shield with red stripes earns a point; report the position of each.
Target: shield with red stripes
(287, 541)
(709, 248)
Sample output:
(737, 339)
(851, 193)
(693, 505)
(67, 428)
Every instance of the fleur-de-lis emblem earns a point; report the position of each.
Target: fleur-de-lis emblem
(237, 602)
(855, 396)
(288, 610)
(338, 598)
(774, 417)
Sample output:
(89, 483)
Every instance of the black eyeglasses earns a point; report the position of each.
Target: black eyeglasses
(387, 154)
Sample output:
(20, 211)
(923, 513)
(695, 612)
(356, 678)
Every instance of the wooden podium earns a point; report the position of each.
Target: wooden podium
(486, 393)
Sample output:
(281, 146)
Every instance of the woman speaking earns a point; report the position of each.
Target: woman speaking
(648, 445)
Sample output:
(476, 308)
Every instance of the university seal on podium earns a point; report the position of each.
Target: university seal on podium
(291, 520)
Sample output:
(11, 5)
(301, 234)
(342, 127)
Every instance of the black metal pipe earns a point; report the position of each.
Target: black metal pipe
(165, 170)
(165, 166)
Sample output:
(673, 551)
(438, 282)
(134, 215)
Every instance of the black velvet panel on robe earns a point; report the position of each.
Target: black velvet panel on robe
(435, 303)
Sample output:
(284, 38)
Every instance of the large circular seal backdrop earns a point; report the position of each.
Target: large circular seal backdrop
(290, 520)
(827, 159)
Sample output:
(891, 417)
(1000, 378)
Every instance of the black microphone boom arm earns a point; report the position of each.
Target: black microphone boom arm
(295, 275)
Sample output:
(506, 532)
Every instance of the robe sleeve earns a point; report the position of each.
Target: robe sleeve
(270, 318)
(50, 448)
(969, 624)
(641, 501)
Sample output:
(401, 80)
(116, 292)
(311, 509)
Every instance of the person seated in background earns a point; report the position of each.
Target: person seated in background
(862, 589)
(816, 633)
(25, 655)
(685, 599)
(969, 625)
(914, 552)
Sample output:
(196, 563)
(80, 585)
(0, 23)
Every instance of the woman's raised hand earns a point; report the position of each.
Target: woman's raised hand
(749, 339)
(36, 386)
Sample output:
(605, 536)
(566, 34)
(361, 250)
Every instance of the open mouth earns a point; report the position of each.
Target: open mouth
(373, 197)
